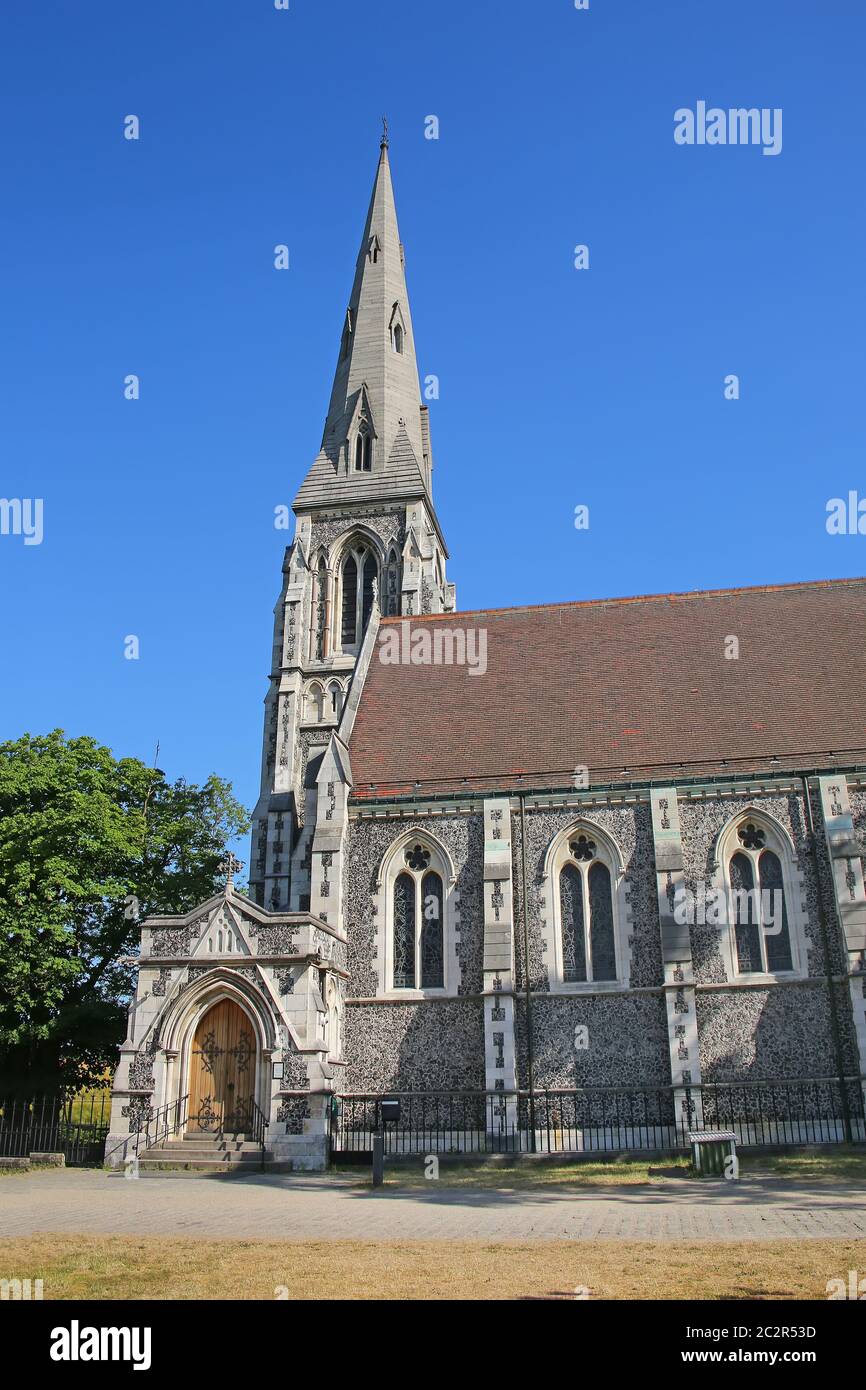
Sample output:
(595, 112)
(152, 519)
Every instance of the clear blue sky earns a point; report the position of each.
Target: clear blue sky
(558, 387)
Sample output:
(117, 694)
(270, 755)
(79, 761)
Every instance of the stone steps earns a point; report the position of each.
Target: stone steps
(202, 1153)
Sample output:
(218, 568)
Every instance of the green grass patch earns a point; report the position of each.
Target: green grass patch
(843, 1164)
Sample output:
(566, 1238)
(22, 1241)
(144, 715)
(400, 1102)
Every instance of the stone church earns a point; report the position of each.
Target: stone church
(580, 848)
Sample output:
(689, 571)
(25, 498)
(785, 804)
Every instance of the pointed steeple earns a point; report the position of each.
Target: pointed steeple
(376, 440)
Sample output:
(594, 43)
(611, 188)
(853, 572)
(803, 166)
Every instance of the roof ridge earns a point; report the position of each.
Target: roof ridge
(634, 598)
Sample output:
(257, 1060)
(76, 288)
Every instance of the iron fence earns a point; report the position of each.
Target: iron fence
(76, 1126)
(604, 1120)
(813, 1110)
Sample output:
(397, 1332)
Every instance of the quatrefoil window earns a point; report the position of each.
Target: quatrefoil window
(417, 857)
(751, 837)
(582, 848)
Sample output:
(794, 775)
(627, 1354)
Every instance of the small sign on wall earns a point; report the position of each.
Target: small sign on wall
(278, 1071)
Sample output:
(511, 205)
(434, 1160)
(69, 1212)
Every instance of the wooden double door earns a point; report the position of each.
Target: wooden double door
(222, 1077)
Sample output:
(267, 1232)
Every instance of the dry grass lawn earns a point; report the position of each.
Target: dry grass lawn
(88, 1267)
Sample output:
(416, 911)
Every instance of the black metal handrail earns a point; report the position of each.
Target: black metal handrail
(259, 1126)
(163, 1128)
(157, 1123)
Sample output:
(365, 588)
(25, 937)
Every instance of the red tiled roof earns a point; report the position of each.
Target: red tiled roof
(629, 687)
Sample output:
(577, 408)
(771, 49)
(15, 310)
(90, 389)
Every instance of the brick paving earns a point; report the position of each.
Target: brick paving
(326, 1207)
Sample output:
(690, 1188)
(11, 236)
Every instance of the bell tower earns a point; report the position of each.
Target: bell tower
(367, 538)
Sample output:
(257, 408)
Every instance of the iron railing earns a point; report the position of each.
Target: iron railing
(812, 1110)
(163, 1124)
(153, 1129)
(258, 1128)
(601, 1119)
(76, 1126)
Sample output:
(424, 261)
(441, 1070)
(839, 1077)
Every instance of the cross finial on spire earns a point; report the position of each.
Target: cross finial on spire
(385, 142)
(230, 866)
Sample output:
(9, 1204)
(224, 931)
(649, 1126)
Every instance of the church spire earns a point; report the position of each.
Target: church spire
(376, 442)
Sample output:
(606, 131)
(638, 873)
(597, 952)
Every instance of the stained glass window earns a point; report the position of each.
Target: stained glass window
(432, 923)
(588, 928)
(418, 951)
(360, 571)
(404, 932)
(777, 942)
(751, 837)
(746, 928)
(573, 934)
(602, 945)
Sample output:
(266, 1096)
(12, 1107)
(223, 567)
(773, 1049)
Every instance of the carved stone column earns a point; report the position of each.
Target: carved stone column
(849, 892)
(500, 1064)
(679, 980)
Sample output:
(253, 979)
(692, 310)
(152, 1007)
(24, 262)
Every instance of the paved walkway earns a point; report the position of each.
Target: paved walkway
(324, 1207)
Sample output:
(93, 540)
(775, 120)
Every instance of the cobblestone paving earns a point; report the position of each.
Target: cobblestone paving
(322, 1207)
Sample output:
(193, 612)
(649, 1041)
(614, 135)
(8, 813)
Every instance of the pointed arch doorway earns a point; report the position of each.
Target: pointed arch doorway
(222, 1071)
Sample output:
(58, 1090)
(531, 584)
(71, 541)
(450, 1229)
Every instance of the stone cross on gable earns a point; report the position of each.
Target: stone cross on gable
(230, 866)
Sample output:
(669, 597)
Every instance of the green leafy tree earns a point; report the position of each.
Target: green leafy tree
(89, 844)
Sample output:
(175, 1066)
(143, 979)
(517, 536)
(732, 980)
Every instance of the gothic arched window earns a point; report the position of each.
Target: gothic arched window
(758, 915)
(347, 336)
(367, 590)
(333, 1028)
(350, 601)
(397, 329)
(320, 611)
(573, 929)
(432, 932)
(416, 885)
(586, 915)
(391, 604)
(358, 577)
(335, 699)
(404, 931)
(315, 703)
(585, 878)
(364, 449)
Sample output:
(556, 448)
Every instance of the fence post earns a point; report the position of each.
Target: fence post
(379, 1148)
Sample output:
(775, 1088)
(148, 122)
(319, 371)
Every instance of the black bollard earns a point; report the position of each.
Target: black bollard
(378, 1159)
